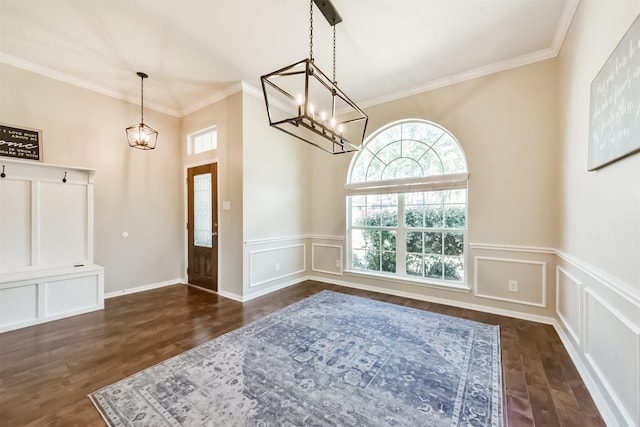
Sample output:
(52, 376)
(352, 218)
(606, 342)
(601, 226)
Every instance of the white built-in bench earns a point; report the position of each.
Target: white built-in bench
(46, 244)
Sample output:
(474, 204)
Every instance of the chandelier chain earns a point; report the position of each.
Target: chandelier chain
(141, 100)
(334, 55)
(311, 30)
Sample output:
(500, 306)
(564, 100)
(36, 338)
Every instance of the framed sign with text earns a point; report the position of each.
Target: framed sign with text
(20, 143)
(614, 128)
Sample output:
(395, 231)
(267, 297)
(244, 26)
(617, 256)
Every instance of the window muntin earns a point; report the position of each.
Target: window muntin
(406, 150)
(374, 230)
(203, 141)
(417, 230)
(436, 225)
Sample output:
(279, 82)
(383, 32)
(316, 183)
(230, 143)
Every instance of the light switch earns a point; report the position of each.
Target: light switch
(226, 205)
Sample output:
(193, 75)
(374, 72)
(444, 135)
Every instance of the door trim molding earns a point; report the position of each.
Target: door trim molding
(185, 212)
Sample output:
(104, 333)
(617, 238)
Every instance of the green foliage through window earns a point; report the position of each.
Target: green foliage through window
(434, 238)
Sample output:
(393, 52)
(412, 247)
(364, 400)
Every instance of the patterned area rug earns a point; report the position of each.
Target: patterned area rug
(329, 360)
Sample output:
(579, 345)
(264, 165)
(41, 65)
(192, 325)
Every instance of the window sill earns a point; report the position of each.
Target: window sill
(427, 283)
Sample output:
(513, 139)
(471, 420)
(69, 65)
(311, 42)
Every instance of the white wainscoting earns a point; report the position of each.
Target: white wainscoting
(612, 348)
(29, 298)
(326, 258)
(599, 323)
(597, 318)
(569, 303)
(46, 255)
(492, 276)
(46, 223)
(270, 264)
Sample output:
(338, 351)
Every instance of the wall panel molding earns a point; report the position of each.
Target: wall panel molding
(337, 270)
(573, 328)
(621, 289)
(478, 285)
(270, 240)
(283, 260)
(607, 328)
(512, 248)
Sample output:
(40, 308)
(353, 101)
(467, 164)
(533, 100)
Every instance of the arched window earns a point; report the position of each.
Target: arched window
(407, 204)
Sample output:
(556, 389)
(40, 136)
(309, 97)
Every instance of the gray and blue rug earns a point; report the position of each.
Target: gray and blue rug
(329, 360)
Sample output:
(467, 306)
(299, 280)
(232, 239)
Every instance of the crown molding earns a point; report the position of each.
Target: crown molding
(252, 90)
(66, 78)
(215, 97)
(530, 58)
(541, 55)
(563, 25)
(475, 73)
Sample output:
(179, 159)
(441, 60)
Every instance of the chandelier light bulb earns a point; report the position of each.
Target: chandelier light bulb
(323, 116)
(299, 99)
(333, 122)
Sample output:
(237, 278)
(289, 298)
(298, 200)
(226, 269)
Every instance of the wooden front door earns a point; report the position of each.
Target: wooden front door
(202, 183)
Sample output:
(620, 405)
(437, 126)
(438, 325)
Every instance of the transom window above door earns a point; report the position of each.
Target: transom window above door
(202, 141)
(407, 204)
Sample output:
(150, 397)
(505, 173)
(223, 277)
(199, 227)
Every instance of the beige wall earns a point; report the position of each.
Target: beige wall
(506, 124)
(226, 115)
(276, 177)
(599, 225)
(135, 191)
(276, 202)
(600, 211)
(535, 213)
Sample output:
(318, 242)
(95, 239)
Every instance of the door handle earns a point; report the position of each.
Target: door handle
(215, 233)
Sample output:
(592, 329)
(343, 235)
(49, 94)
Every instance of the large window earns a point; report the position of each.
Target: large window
(407, 204)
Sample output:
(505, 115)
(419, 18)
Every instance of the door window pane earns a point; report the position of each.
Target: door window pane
(202, 227)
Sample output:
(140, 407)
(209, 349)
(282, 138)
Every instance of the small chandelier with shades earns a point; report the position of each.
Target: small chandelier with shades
(303, 102)
(142, 136)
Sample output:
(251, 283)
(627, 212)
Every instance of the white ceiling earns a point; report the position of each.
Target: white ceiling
(196, 51)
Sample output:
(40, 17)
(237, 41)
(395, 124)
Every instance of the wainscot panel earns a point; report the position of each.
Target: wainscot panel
(569, 303)
(612, 347)
(513, 280)
(267, 265)
(608, 352)
(326, 258)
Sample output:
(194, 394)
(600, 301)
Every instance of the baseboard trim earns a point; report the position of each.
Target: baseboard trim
(274, 288)
(225, 294)
(444, 301)
(143, 288)
(596, 394)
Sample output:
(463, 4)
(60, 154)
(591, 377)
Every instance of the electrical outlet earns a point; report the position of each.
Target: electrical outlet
(338, 263)
(513, 285)
(277, 266)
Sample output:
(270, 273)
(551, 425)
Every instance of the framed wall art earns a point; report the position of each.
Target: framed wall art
(614, 126)
(20, 143)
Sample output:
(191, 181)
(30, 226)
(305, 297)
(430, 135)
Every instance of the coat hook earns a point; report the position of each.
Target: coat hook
(3, 175)
(65, 178)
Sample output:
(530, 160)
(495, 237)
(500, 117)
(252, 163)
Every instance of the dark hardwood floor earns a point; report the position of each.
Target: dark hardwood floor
(46, 371)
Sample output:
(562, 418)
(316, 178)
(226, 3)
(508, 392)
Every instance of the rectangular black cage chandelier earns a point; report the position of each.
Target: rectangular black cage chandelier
(303, 102)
